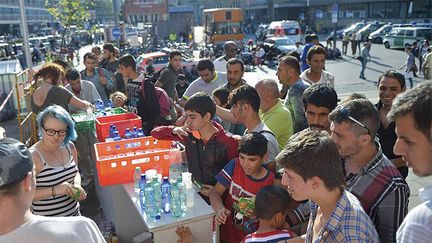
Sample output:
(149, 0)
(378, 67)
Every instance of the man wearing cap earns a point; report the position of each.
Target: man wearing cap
(17, 189)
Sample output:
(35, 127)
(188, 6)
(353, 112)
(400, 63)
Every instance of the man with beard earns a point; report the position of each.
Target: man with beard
(319, 100)
(110, 62)
(370, 175)
(235, 71)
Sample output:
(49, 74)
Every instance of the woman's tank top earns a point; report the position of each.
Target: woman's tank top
(61, 205)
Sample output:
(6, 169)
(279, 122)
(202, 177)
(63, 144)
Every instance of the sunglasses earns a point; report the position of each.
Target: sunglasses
(52, 132)
(344, 114)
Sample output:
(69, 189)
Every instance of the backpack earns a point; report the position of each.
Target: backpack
(155, 105)
(156, 75)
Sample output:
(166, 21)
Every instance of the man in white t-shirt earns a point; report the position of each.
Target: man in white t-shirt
(316, 58)
(411, 113)
(230, 51)
(17, 189)
(208, 81)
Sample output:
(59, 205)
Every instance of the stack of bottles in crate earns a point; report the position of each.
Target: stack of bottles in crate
(158, 198)
(115, 135)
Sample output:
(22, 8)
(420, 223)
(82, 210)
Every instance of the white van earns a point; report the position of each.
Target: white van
(288, 28)
(403, 36)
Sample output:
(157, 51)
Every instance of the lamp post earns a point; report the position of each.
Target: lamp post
(24, 33)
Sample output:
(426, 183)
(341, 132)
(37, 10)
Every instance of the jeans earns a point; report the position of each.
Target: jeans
(363, 62)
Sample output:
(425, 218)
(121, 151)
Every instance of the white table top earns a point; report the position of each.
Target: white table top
(200, 210)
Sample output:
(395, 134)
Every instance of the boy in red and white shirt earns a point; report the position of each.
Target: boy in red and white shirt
(243, 178)
(271, 205)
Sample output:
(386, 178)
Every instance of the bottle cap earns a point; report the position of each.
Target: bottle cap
(157, 217)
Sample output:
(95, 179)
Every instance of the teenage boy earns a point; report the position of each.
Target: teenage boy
(243, 177)
(411, 112)
(169, 75)
(271, 219)
(313, 171)
(209, 148)
(316, 58)
(245, 103)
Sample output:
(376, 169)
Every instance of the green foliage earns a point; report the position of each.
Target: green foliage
(69, 12)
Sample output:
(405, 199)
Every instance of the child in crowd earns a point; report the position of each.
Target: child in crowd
(243, 178)
(220, 97)
(271, 218)
(181, 85)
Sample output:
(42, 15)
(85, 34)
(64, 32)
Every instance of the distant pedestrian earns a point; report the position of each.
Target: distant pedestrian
(409, 65)
(422, 54)
(364, 58)
(345, 41)
(354, 43)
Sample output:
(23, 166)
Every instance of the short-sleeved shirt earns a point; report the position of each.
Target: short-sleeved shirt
(88, 92)
(272, 143)
(294, 102)
(274, 236)
(168, 78)
(41, 229)
(239, 185)
(199, 85)
(326, 78)
(417, 225)
(95, 79)
(57, 95)
(278, 119)
(348, 223)
(220, 64)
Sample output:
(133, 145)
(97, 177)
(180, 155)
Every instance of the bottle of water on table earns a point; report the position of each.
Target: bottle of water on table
(137, 180)
(175, 204)
(157, 193)
(166, 190)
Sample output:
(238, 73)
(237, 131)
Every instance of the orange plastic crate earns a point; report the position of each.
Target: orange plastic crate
(116, 161)
(121, 121)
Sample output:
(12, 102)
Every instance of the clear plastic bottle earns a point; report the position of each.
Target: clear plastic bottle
(142, 184)
(166, 190)
(157, 193)
(112, 129)
(109, 106)
(137, 179)
(182, 189)
(150, 208)
(175, 205)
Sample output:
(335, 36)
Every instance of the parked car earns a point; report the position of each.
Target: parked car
(403, 36)
(284, 44)
(161, 60)
(354, 27)
(369, 28)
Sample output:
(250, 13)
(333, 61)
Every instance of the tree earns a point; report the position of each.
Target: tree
(69, 12)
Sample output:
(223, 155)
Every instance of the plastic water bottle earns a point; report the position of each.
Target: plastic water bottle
(157, 193)
(175, 205)
(142, 183)
(166, 190)
(109, 106)
(140, 133)
(111, 130)
(137, 179)
(182, 190)
(128, 134)
(116, 136)
(150, 208)
(99, 106)
(134, 132)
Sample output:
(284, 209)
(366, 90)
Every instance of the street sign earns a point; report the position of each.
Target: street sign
(116, 32)
(335, 9)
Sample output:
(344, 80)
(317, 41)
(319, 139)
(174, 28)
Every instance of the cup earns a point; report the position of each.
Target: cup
(187, 179)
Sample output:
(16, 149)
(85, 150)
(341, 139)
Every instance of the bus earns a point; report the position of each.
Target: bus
(222, 24)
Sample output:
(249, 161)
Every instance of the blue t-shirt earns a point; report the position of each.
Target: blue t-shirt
(303, 56)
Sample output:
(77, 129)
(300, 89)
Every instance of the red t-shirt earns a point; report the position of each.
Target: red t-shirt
(239, 185)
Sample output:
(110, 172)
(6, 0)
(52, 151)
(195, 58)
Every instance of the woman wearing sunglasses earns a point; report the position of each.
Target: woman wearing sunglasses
(58, 182)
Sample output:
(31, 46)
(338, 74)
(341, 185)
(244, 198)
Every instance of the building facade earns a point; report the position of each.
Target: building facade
(38, 18)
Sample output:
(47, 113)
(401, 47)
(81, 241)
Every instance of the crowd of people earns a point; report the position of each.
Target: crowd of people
(319, 169)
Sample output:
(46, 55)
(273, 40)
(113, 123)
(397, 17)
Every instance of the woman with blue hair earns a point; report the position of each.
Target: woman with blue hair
(58, 182)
